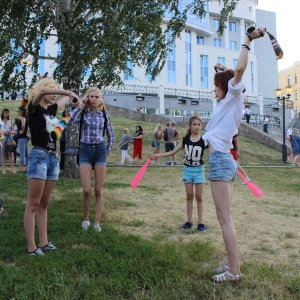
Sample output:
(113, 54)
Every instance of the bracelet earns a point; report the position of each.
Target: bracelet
(245, 46)
(248, 35)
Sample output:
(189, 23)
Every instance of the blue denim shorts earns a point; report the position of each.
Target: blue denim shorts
(42, 165)
(193, 174)
(92, 154)
(222, 166)
(157, 143)
(7, 138)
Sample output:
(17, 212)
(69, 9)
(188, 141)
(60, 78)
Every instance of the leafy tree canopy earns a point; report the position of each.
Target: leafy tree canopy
(101, 34)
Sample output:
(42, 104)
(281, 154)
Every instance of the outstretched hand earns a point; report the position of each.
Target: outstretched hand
(253, 33)
(153, 156)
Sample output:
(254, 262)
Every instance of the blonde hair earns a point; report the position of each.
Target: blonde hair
(94, 89)
(42, 83)
(126, 129)
(157, 127)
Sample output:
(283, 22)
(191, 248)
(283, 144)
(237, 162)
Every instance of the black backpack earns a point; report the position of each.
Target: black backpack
(166, 135)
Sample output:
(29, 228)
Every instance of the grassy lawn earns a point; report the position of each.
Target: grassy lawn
(141, 253)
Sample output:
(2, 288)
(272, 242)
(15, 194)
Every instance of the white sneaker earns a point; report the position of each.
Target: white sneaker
(85, 225)
(97, 227)
(158, 163)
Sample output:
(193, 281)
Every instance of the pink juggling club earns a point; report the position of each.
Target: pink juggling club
(136, 180)
(256, 191)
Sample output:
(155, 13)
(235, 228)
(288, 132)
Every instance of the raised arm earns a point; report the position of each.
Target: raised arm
(241, 66)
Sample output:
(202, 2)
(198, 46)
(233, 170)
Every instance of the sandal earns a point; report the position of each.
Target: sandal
(227, 277)
(222, 269)
(3, 212)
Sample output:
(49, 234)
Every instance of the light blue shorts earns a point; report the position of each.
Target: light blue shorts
(222, 166)
(43, 165)
(193, 174)
(157, 143)
(92, 154)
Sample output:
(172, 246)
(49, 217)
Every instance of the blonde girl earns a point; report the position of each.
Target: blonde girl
(43, 164)
(93, 150)
(193, 170)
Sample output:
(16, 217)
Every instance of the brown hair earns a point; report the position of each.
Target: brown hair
(192, 118)
(221, 79)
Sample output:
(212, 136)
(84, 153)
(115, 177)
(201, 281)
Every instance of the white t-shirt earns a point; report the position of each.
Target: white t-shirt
(226, 119)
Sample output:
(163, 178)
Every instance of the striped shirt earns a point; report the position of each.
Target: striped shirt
(92, 127)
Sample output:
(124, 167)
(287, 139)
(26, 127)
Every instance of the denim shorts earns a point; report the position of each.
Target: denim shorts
(92, 154)
(7, 138)
(222, 166)
(42, 165)
(157, 143)
(193, 174)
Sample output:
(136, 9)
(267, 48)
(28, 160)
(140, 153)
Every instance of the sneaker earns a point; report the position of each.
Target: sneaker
(186, 225)
(201, 227)
(158, 163)
(85, 225)
(3, 212)
(97, 227)
(37, 251)
(175, 163)
(49, 246)
(293, 165)
(169, 163)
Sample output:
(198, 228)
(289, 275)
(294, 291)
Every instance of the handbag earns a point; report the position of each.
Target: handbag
(9, 147)
(152, 144)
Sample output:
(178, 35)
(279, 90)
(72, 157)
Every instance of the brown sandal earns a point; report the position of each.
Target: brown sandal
(222, 269)
(227, 277)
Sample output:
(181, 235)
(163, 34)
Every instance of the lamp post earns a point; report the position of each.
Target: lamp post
(283, 98)
(25, 64)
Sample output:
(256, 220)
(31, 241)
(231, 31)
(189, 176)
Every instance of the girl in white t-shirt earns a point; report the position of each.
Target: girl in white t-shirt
(220, 129)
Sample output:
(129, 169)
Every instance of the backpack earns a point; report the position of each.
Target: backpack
(166, 135)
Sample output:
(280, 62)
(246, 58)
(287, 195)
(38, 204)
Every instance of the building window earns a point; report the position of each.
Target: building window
(296, 78)
(200, 40)
(233, 45)
(129, 72)
(252, 76)
(204, 71)
(171, 60)
(289, 80)
(217, 43)
(188, 58)
(221, 60)
(296, 95)
(42, 52)
(234, 63)
(58, 53)
(216, 24)
(232, 26)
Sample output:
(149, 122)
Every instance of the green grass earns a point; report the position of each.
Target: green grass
(118, 263)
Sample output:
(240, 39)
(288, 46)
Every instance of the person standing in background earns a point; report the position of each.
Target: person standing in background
(22, 127)
(248, 113)
(266, 122)
(124, 145)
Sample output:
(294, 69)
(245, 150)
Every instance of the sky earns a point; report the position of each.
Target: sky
(287, 25)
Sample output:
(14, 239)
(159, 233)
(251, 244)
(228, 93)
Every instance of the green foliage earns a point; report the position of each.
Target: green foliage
(103, 35)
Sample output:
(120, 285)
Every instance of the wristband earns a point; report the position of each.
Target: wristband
(248, 35)
(245, 46)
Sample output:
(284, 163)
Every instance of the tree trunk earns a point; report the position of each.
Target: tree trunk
(71, 169)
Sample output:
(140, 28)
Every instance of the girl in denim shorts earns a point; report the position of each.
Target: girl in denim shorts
(43, 165)
(223, 125)
(193, 170)
(93, 150)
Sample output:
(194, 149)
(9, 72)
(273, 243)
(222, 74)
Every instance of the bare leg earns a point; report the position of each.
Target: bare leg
(42, 213)
(199, 199)
(189, 200)
(222, 196)
(34, 194)
(99, 181)
(86, 176)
